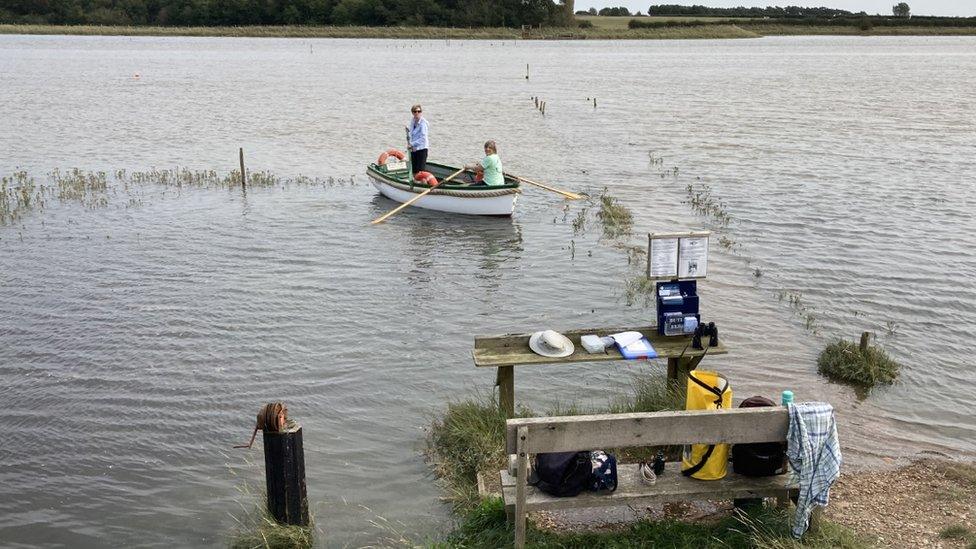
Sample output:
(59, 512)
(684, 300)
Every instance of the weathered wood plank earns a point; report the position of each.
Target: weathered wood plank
(506, 389)
(671, 486)
(513, 349)
(568, 433)
(520, 488)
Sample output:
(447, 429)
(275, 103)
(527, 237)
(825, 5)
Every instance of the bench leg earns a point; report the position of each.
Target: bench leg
(505, 380)
(678, 369)
(783, 500)
(520, 480)
(815, 520)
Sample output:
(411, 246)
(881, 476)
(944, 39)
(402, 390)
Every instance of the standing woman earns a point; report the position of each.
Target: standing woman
(417, 137)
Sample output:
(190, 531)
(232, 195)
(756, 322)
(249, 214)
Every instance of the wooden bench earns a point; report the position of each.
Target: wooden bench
(608, 431)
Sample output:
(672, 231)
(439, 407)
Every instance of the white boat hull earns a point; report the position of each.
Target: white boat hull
(479, 202)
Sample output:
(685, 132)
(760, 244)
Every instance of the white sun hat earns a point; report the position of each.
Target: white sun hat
(551, 343)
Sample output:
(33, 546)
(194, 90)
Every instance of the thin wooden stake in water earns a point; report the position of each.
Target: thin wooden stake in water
(243, 179)
(865, 336)
(526, 71)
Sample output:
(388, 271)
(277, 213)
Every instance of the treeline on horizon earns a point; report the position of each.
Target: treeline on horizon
(773, 12)
(864, 22)
(232, 13)
(415, 13)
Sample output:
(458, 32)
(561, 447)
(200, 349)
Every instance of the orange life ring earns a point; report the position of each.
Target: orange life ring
(390, 152)
(426, 178)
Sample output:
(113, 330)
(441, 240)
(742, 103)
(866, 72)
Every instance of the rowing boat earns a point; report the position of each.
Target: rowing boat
(393, 180)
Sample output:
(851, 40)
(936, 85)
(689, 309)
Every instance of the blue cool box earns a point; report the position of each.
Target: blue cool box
(647, 351)
(675, 300)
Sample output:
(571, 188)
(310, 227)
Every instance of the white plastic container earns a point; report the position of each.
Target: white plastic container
(595, 344)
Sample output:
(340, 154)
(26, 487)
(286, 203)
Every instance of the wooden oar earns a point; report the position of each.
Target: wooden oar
(414, 199)
(567, 194)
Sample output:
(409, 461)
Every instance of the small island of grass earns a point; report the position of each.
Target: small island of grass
(862, 365)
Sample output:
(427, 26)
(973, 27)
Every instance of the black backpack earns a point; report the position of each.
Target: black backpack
(563, 474)
(758, 459)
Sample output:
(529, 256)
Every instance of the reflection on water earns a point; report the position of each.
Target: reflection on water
(138, 339)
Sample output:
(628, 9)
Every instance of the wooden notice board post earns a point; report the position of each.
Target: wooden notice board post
(504, 352)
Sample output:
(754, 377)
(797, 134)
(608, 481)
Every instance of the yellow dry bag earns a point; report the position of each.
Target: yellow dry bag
(706, 391)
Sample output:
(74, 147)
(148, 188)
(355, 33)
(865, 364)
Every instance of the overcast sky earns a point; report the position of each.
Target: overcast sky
(965, 8)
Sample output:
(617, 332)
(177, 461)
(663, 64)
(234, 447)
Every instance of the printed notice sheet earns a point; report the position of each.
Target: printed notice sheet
(663, 258)
(693, 257)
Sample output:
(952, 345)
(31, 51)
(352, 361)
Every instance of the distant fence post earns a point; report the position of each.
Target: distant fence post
(243, 179)
(284, 464)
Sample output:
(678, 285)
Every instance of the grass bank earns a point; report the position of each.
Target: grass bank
(603, 28)
(485, 526)
(772, 29)
(420, 33)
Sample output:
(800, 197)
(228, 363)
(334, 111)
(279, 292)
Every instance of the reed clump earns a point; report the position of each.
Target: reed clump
(616, 219)
(706, 203)
(847, 362)
(87, 188)
(20, 193)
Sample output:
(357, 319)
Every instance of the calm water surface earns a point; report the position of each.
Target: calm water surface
(138, 340)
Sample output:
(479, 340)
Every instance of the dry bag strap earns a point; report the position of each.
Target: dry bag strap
(718, 394)
(697, 467)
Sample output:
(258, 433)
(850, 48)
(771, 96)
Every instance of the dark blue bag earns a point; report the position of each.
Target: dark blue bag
(566, 474)
(562, 474)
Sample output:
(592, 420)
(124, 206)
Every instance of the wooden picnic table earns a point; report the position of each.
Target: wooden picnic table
(504, 352)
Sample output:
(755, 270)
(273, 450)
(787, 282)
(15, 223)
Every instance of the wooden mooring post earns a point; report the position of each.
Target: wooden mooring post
(284, 464)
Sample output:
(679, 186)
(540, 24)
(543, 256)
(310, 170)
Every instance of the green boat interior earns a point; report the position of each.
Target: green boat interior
(399, 172)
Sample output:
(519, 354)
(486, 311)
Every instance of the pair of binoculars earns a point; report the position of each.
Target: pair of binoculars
(705, 330)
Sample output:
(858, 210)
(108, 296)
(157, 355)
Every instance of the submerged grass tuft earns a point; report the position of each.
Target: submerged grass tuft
(844, 361)
(616, 219)
(20, 193)
(639, 290)
(704, 202)
(256, 529)
(268, 534)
